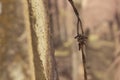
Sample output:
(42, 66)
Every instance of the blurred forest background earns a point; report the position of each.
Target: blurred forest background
(26, 42)
(101, 23)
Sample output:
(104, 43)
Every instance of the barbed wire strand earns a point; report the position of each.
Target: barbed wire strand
(79, 22)
(84, 63)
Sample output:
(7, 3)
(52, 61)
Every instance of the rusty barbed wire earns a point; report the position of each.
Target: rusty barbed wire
(81, 38)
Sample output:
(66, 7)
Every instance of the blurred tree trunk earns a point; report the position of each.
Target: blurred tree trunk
(55, 21)
(45, 66)
(16, 57)
(23, 57)
(62, 19)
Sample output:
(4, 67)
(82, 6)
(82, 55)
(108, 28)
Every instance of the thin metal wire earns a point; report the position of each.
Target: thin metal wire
(78, 27)
(77, 15)
(84, 63)
(80, 37)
